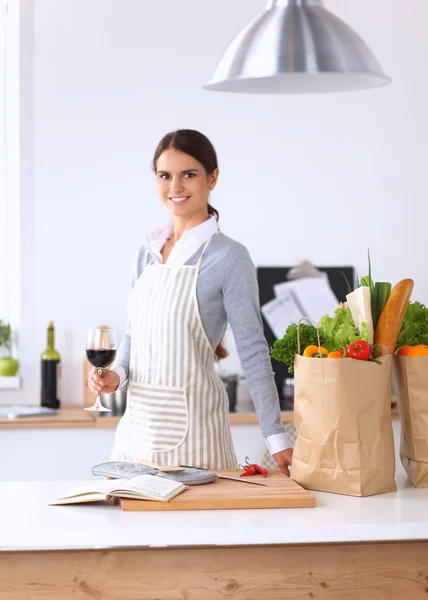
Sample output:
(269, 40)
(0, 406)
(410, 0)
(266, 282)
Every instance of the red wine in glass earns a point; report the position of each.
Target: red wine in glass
(101, 352)
(100, 357)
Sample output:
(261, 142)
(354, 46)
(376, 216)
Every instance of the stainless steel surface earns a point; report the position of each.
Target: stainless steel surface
(120, 401)
(116, 402)
(297, 46)
(231, 384)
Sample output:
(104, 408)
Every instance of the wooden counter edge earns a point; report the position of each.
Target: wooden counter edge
(234, 419)
(76, 417)
(68, 417)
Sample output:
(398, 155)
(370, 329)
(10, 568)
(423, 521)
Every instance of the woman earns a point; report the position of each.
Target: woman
(188, 282)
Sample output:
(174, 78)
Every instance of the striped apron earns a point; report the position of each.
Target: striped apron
(177, 408)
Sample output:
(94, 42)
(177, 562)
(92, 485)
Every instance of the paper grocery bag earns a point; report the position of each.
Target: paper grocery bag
(342, 413)
(411, 383)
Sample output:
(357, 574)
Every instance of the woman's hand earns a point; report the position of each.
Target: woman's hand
(108, 383)
(283, 459)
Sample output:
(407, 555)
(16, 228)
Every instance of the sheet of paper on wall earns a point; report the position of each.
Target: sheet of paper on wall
(281, 312)
(313, 294)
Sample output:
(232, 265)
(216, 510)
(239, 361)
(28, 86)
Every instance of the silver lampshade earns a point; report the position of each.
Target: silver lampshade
(297, 46)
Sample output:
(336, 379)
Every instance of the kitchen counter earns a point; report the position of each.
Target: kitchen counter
(234, 419)
(69, 416)
(380, 542)
(33, 525)
(76, 416)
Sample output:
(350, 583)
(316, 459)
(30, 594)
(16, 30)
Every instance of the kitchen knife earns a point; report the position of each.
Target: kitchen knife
(229, 477)
(246, 480)
(153, 465)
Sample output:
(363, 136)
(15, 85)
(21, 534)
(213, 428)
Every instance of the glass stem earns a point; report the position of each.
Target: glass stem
(98, 399)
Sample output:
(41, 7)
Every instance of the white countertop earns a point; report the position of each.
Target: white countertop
(28, 523)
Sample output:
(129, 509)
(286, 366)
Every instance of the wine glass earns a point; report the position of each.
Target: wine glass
(101, 352)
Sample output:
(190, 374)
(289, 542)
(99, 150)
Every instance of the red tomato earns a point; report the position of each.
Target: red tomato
(361, 350)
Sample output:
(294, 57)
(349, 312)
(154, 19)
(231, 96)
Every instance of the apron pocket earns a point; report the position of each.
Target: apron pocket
(159, 415)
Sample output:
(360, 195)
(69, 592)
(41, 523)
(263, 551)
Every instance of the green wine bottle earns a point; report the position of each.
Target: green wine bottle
(51, 372)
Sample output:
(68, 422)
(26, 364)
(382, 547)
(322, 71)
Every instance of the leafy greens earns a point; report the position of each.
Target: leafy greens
(339, 331)
(414, 328)
(285, 349)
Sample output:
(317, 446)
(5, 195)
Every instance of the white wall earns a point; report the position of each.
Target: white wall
(317, 177)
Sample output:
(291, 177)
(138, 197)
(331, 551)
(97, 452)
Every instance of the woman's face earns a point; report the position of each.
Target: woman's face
(183, 184)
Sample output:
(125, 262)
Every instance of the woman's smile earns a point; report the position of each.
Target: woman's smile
(179, 199)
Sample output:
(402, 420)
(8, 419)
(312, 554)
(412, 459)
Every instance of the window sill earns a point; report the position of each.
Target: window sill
(10, 383)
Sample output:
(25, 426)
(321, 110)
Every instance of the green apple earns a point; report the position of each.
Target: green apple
(8, 366)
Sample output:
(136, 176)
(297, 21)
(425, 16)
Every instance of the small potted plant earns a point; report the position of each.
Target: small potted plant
(8, 365)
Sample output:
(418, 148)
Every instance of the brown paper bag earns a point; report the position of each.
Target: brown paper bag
(342, 413)
(411, 383)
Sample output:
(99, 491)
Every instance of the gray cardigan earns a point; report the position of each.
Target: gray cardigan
(227, 291)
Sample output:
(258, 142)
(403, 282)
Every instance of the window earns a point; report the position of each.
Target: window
(9, 163)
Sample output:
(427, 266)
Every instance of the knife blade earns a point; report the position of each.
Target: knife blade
(242, 480)
(228, 476)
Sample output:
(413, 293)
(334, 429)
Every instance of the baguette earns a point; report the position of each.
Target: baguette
(391, 317)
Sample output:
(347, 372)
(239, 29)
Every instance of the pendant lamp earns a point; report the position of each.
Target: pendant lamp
(297, 46)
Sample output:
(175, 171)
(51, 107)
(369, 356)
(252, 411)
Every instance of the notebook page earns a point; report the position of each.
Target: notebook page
(149, 485)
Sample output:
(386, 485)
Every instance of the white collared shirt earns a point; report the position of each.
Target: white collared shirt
(185, 247)
(183, 250)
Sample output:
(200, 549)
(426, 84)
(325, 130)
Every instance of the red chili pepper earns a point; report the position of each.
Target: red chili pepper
(260, 470)
(248, 470)
(257, 468)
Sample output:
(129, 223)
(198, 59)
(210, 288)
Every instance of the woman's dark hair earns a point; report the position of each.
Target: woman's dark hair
(199, 147)
(196, 145)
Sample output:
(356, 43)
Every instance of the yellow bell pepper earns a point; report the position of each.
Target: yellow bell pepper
(311, 350)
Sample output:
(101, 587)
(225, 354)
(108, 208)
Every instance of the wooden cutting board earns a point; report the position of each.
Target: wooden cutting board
(282, 492)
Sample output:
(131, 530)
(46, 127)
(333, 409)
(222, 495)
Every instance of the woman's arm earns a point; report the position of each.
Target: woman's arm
(241, 303)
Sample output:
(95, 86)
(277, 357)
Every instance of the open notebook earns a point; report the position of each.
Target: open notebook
(142, 487)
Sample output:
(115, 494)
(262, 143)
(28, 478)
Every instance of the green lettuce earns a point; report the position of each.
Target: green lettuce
(339, 331)
(285, 349)
(414, 328)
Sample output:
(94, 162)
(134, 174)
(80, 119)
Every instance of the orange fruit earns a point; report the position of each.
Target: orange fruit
(404, 350)
(420, 350)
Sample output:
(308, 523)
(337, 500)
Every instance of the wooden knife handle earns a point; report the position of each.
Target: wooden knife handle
(147, 463)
